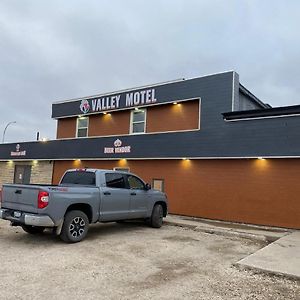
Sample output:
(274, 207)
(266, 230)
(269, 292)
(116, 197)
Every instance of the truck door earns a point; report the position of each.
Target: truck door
(115, 198)
(138, 197)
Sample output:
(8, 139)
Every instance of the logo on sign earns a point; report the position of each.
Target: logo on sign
(85, 106)
(118, 148)
(117, 143)
(18, 151)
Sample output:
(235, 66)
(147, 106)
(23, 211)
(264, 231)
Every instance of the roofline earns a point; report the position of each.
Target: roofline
(253, 97)
(283, 111)
(138, 87)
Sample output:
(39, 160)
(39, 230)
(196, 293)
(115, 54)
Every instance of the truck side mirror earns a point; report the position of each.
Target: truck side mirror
(147, 186)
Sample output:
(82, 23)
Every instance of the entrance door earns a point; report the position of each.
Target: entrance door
(22, 174)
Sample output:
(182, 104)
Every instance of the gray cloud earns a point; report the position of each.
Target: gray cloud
(58, 50)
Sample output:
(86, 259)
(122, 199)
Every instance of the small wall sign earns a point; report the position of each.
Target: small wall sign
(18, 151)
(118, 148)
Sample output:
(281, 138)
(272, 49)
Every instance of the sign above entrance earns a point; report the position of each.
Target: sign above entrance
(118, 148)
(130, 99)
(18, 151)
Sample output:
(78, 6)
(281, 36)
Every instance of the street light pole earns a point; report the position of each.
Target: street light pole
(13, 122)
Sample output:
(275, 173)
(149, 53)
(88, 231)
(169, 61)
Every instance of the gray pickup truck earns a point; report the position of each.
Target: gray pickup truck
(83, 196)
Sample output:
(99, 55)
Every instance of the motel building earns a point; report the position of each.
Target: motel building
(215, 149)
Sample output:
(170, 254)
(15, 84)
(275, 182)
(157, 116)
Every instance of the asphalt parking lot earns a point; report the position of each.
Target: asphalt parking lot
(133, 261)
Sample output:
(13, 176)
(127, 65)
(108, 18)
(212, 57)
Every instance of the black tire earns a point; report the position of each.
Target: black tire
(156, 219)
(75, 227)
(33, 229)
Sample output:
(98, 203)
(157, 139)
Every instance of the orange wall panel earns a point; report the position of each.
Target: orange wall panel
(170, 117)
(264, 192)
(110, 124)
(66, 128)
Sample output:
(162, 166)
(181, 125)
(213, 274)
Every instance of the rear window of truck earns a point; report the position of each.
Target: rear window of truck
(79, 177)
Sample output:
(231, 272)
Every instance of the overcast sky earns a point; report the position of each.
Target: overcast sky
(56, 50)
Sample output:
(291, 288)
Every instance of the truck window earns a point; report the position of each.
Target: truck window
(79, 177)
(115, 180)
(135, 183)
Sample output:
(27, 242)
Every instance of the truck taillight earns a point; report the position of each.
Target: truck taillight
(43, 199)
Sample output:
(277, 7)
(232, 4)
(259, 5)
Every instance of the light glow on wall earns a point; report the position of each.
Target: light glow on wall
(186, 163)
(77, 162)
(177, 107)
(262, 163)
(123, 162)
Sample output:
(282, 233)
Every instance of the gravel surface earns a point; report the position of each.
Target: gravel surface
(133, 261)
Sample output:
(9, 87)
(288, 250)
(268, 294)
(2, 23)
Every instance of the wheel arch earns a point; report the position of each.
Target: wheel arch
(164, 206)
(84, 207)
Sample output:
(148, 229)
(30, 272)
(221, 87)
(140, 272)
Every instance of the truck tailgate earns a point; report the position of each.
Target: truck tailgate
(20, 197)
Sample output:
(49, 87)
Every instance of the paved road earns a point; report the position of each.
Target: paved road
(132, 261)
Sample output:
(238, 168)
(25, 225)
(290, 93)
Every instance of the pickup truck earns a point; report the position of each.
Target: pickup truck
(82, 197)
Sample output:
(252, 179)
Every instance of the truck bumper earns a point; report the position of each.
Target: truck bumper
(26, 218)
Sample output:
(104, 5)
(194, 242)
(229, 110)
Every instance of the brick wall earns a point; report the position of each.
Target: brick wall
(41, 171)
(6, 172)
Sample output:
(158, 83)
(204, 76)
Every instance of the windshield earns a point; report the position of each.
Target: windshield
(79, 177)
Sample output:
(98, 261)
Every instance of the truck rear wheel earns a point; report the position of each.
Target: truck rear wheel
(33, 229)
(156, 219)
(75, 227)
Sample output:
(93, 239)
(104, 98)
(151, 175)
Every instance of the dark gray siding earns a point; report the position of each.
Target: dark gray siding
(214, 90)
(216, 138)
(246, 103)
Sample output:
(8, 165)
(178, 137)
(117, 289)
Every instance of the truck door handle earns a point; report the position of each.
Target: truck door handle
(107, 193)
(133, 193)
(18, 192)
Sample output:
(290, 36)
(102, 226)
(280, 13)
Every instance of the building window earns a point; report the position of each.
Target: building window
(82, 126)
(138, 121)
(158, 184)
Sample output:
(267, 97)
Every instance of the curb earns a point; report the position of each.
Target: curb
(257, 270)
(224, 232)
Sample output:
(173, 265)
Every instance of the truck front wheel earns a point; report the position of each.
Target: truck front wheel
(156, 219)
(75, 227)
(33, 229)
